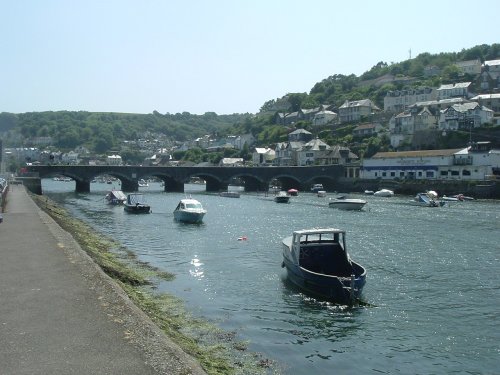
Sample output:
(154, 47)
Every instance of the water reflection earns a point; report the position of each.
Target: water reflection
(197, 270)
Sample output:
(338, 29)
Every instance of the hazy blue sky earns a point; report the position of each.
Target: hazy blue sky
(223, 56)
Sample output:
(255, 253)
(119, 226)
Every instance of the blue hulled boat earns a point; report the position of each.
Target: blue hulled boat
(318, 263)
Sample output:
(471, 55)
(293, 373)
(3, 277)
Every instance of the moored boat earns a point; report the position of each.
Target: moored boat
(143, 183)
(282, 197)
(426, 200)
(189, 210)
(293, 192)
(136, 204)
(352, 204)
(384, 193)
(317, 187)
(317, 261)
(116, 197)
(462, 197)
(229, 194)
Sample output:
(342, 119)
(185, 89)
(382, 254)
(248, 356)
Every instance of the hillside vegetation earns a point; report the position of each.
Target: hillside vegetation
(101, 132)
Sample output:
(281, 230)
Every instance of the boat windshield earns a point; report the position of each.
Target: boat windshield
(194, 205)
(335, 237)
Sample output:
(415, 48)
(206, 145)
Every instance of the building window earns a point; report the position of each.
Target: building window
(455, 173)
(384, 174)
(393, 174)
(419, 173)
(465, 172)
(401, 174)
(444, 173)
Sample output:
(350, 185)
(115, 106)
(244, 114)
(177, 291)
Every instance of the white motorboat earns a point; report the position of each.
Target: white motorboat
(317, 187)
(353, 204)
(143, 183)
(282, 197)
(189, 210)
(321, 193)
(426, 200)
(384, 193)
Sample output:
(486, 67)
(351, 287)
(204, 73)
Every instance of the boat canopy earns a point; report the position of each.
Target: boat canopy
(135, 199)
(118, 194)
(319, 235)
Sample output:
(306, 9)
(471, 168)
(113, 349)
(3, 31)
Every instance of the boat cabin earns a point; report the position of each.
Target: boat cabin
(322, 251)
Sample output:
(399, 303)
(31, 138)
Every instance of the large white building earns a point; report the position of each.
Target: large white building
(475, 162)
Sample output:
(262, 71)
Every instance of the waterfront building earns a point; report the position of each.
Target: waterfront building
(475, 162)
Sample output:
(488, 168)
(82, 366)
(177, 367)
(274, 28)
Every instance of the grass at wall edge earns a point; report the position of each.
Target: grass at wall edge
(217, 351)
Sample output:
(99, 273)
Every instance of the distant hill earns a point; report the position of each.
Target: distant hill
(70, 129)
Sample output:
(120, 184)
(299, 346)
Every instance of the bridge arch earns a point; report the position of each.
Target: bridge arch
(251, 182)
(288, 182)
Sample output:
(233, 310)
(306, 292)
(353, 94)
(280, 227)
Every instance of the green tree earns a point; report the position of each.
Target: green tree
(104, 142)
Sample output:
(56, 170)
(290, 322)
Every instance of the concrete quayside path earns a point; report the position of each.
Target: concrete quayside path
(60, 314)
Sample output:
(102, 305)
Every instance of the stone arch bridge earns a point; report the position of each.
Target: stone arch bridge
(217, 178)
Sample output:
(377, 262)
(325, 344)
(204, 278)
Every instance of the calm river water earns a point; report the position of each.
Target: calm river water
(433, 277)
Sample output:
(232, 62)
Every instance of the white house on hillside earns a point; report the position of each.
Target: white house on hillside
(324, 117)
(399, 100)
(70, 158)
(464, 116)
(366, 130)
(454, 90)
(469, 67)
(231, 162)
(404, 125)
(239, 141)
(114, 160)
(312, 150)
(286, 153)
(263, 156)
(355, 110)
